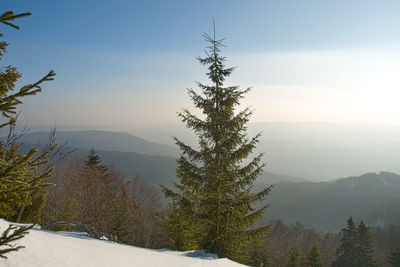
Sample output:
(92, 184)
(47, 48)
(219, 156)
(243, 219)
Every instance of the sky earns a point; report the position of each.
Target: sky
(127, 64)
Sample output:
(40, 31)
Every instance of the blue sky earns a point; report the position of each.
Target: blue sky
(159, 26)
(117, 60)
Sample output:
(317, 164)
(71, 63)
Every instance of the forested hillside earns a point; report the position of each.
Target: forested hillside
(324, 205)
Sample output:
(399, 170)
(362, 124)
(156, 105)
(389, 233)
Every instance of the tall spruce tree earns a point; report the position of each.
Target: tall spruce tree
(365, 247)
(356, 247)
(394, 258)
(346, 253)
(21, 179)
(213, 207)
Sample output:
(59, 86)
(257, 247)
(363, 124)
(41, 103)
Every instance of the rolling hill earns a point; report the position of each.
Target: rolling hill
(373, 197)
(131, 155)
(104, 140)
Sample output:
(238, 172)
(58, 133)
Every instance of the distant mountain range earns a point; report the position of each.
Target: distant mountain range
(131, 155)
(104, 140)
(320, 151)
(373, 197)
(317, 150)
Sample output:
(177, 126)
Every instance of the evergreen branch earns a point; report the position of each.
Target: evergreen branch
(8, 16)
(245, 149)
(190, 173)
(262, 231)
(192, 121)
(260, 195)
(169, 193)
(7, 237)
(9, 103)
(187, 150)
(255, 216)
(249, 173)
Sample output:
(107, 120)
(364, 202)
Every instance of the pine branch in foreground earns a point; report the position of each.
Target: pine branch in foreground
(11, 234)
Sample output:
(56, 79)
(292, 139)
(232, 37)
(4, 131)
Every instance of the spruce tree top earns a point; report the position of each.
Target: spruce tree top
(93, 159)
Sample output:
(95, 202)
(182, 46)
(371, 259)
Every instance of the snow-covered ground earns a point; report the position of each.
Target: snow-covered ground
(51, 249)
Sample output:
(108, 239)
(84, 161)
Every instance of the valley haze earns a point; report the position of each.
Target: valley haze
(315, 151)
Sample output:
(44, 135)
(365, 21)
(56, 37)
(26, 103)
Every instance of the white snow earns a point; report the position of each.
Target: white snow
(52, 249)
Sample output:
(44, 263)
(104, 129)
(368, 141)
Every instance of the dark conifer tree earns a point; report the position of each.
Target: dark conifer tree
(314, 258)
(346, 253)
(365, 247)
(293, 259)
(260, 257)
(180, 227)
(394, 258)
(119, 226)
(93, 159)
(214, 201)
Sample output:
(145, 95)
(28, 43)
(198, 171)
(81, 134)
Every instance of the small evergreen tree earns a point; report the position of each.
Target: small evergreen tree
(293, 258)
(214, 203)
(20, 177)
(179, 226)
(394, 258)
(314, 258)
(93, 159)
(365, 255)
(119, 226)
(260, 260)
(346, 253)
(260, 257)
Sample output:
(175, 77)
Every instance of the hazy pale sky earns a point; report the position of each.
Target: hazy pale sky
(127, 64)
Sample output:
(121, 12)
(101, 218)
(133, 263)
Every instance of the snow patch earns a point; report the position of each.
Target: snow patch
(45, 248)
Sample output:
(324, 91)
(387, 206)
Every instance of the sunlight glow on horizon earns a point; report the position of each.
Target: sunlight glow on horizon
(334, 86)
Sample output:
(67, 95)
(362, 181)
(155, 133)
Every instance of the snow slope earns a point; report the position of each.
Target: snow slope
(50, 249)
